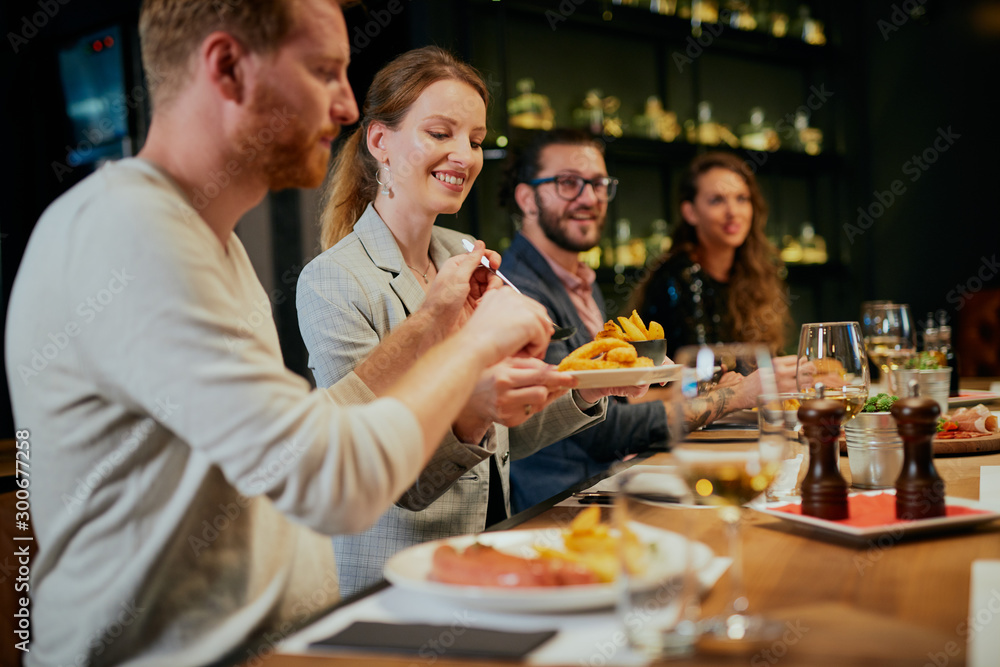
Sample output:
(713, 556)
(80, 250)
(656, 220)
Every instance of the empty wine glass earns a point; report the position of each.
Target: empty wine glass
(715, 381)
(833, 353)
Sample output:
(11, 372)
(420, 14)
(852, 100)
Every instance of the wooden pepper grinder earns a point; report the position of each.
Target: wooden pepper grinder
(919, 487)
(824, 490)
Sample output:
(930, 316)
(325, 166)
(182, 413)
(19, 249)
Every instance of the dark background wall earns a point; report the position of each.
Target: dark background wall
(917, 75)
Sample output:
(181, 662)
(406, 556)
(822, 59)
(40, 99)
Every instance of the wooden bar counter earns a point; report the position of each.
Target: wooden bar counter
(884, 602)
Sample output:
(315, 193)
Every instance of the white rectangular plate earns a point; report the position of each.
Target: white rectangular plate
(624, 377)
(921, 526)
(967, 397)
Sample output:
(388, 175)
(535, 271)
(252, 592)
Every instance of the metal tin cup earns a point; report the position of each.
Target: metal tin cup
(874, 450)
(933, 382)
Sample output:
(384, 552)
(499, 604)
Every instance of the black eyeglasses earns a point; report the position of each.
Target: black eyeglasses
(570, 186)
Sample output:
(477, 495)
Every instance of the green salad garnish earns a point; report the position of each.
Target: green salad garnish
(880, 402)
(923, 361)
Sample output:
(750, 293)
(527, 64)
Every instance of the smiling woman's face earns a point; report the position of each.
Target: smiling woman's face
(722, 211)
(435, 154)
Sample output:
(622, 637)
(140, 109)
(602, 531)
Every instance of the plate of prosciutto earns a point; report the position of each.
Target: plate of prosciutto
(968, 431)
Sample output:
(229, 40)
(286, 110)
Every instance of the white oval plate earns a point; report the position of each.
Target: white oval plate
(625, 377)
(410, 568)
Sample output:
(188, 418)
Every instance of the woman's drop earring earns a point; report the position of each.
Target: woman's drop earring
(387, 182)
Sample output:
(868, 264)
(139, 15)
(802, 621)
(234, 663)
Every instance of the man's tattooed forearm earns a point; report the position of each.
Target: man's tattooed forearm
(704, 410)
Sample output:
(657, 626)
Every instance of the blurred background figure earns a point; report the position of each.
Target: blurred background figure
(719, 283)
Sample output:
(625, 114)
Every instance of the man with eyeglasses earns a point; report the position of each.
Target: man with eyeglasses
(559, 187)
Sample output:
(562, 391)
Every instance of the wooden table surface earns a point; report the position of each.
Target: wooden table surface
(886, 602)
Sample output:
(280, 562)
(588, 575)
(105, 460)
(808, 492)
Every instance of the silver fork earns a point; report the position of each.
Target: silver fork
(560, 333)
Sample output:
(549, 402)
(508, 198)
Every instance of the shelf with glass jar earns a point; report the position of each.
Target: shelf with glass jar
(602, 116)
(783, 31)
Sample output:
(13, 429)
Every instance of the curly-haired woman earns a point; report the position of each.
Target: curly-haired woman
(720, 281)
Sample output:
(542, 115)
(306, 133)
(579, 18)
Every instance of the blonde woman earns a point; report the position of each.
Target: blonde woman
(415, 156)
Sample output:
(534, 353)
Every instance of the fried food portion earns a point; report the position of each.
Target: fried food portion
(610, 347)
(593, 544)
(602, 354)
(631, 329)
(611, 330)
(622, 355)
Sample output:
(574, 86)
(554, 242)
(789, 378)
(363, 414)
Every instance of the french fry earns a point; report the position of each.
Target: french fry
(594, 545)
(637, 321)
(586, 520)
(656, 331)
(632, 332)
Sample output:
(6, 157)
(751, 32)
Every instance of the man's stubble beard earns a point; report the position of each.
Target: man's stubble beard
(549, 223)
(291, 159)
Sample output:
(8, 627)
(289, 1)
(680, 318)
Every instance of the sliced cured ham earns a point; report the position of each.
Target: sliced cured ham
(978, 420)
(481, 565)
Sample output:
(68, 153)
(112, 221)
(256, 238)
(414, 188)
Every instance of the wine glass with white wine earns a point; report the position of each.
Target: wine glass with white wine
(725, 381)
(833, 354)
(890, 337)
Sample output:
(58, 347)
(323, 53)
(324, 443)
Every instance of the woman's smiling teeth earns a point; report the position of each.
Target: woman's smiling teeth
(453, 180)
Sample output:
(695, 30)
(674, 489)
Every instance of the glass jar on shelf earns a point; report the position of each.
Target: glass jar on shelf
(758, 135)
(664, 7)
(806, 28)
(711, 133)
(809, 139)
(529, 110)
(770, 18)
(791, 250)
(813, 245)
(737, 14)
(704, 11)
(655, 122)
(599, 115)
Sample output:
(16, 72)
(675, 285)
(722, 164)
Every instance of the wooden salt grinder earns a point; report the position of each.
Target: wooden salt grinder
(919, 487)
(824, 491)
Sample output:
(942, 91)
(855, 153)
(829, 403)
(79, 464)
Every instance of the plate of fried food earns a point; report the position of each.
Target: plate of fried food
(545, 570)
(624, 353)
